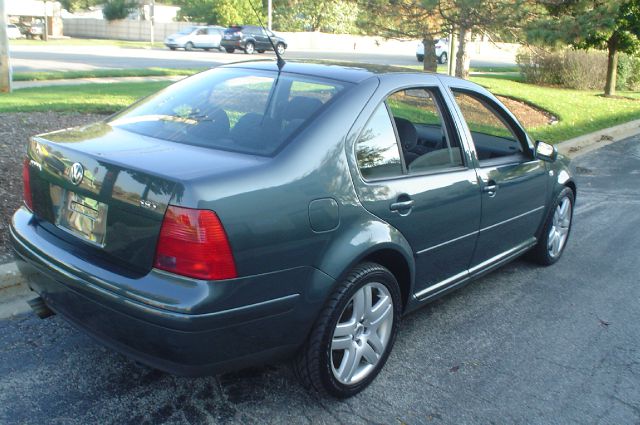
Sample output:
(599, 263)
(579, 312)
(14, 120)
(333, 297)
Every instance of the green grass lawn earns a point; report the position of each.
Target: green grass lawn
(95, 98)
(103, 73)
(87, 42)
(579, 112)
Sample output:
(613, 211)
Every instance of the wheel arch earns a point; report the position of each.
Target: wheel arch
(381, 244)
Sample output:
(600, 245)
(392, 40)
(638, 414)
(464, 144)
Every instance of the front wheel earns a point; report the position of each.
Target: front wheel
(354, 333)
(443, 58)
(249, 48)
(280, 49)
(555, 233)
(230, 49)
(188, 47)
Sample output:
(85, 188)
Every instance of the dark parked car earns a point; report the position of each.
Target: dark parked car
(246, 215)
(251, 38)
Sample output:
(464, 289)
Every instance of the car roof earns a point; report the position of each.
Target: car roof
(336, 70)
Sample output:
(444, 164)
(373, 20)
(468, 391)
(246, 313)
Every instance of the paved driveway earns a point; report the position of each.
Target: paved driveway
(522, 345)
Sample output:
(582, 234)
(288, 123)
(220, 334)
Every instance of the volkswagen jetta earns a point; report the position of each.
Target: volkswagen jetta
(250, 214)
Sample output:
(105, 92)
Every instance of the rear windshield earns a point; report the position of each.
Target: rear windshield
(243, 111)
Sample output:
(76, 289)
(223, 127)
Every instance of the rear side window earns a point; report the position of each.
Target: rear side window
(231, 109)
(423, 134)
(377, 150)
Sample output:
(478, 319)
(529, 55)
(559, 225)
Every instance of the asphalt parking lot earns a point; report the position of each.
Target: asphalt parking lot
(522, 345)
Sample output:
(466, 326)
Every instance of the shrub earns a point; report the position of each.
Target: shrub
(628, 73)
(118, 9)
(576, 69)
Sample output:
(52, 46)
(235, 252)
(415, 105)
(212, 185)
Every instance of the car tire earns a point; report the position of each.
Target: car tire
(206, 49)
(260, 51)
(442, 58)
(280, 49)
(188, 47)
(249, 48)
(230, 49)
(420, 58)
(172, 48)
(332, 364)
(556, 230)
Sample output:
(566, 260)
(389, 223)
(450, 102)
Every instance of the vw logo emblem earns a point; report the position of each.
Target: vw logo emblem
(76, 173)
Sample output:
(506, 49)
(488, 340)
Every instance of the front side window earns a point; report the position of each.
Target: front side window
(230, 109)
(377, 150)
(421, 129)
(492, 136)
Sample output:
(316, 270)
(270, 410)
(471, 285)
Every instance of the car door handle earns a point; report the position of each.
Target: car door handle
(401, 205)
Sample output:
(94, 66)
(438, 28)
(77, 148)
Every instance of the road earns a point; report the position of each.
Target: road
(522, 345)
(31, 58)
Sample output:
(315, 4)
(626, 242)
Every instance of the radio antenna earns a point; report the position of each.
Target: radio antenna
(281, 61)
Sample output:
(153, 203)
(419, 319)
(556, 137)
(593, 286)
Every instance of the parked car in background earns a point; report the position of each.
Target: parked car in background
(196, 37)
(257, 212)
(13, 31)
(250, 39)
(442, 51)
(36, 30)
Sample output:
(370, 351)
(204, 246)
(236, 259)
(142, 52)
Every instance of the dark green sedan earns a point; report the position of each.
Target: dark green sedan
(251, 214)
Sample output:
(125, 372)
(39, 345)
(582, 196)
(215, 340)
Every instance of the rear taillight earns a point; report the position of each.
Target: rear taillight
(26, 187)
(193, 243)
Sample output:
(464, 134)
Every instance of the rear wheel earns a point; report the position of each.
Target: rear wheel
(172, 48)
(555, 232)
(354, 333)
(442, 58)
(207, 49)
(229, 49)
(249, 48)
(420, 58)
(280, 49)
(188, 47)
(260, 51)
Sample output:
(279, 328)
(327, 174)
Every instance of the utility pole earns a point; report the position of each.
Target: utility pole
(152, 11)
(269, 12)
(45, 30)
(5, 66)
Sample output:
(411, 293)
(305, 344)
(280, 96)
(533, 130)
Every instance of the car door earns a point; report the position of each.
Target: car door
(513, 182)
(414, 175)
(201, 38)
(214, 37)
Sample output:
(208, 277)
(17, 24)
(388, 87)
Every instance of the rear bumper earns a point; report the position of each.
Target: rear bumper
(234, 44)
(207, 327)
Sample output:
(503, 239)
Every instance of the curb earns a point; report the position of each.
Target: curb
(592, 141)
(10, 276)
(13, 285)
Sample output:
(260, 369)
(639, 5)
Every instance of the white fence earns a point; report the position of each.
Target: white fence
(120, 30)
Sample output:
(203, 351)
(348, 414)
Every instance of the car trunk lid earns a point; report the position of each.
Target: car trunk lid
(107, 189)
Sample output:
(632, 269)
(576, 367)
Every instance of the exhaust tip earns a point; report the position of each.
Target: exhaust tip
(40, 308)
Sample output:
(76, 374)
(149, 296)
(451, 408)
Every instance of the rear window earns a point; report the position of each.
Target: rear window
(238, 110)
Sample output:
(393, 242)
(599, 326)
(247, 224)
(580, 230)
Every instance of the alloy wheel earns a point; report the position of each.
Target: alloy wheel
(559, 231)
(362, 333)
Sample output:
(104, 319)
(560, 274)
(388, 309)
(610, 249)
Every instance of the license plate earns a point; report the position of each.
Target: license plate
(80, 215)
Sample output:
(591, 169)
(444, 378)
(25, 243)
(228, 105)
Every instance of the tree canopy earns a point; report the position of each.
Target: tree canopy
(613, 25)
(220, 12)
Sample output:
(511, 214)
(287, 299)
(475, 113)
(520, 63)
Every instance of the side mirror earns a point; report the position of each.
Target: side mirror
(546, 152)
